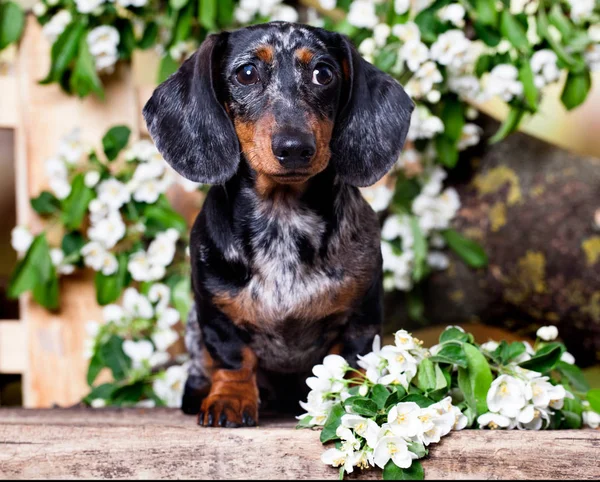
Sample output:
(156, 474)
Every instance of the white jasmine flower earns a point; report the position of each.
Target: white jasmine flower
(327, 4)
(98, 403)
(401, 6)
(98, 210)
(547, 333)
(93, 255)
(109, 264)
(113, 193)
(138, 351)
(91, 178)
(367, 48)
(591, 419)
(507, 396)
(57, 256)
(541, 392)
(453, 13)
(466, 86)
(594, 33)
(450, 49)
(168, 318)
(381, 32)
(435, 213)
(317, 407)
(581, 9)
(143, 150)
(362, 14)
(70, 148)
(493, 421)
(242, 15)
(139, 266)
(60, 187)
(137, 305)
(337, 458)
(460, 419)
(57, 25)
(429, 74)
(424, 125)
(103, 40)
(87, 6)
(113, 313)
(490, 346)
(55, 168)
(592, 57)
(284, 13)
(404, 340)
(21, 239)
(39, 9)
(162, 249)
(403, 420)
(159, 358)
(108, 231)
(329, 375)
(399, 264)
(545, 68)
(414, 53)
(394, 448)
(164, 338)
(407, 32)
(149, 190)
(364, 427)
(435, 424)
(502, 81)
(398, 226)
(151, 169)
(437, 260)
(132, 3)
(373, 363)
(169, 387)
(567, 358)
(470, 136)
(378, 197)
(532, 418)
(160, 294)
(528, 7)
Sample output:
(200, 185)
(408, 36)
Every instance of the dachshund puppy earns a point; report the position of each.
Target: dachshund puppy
(285, 121)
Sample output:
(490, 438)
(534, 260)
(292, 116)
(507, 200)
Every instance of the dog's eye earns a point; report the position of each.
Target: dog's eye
(322, 75)
(247, 75)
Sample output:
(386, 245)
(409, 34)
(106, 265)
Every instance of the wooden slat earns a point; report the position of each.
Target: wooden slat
(160, 443)
(56, 367)
(9, 106)
(12, 347)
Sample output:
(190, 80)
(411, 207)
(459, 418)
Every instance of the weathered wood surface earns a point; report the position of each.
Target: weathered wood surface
(161, 443)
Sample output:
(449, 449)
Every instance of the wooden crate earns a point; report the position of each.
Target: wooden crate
(47, 348)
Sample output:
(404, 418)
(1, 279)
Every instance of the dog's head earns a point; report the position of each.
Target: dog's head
(291, 98)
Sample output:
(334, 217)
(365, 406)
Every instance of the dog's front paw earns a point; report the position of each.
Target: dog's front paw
(230, 405)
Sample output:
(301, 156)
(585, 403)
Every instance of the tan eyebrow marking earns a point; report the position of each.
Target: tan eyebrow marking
(304, 55)
(265, 53)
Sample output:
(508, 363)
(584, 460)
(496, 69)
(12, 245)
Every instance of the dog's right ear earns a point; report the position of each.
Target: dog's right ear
(188, 124)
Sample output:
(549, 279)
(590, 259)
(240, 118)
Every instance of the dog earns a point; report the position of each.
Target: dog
(286, 121)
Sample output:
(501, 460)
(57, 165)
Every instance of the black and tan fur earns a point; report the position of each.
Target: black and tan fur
(286, 263)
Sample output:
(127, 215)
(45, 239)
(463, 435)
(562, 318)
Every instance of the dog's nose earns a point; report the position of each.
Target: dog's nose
(293, 150)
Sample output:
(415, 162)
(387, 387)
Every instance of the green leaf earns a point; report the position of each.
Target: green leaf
(593, 397)
(475, 380)
(46, 294)
(304, 422)
(177, 4)
(415, 305)
(510, 124)
(386, 59)
(484, 64)
(72, 242)
(393, 472)
(447, 151)
(576, 89)
(181, 296)
(76, 204)
(420, 400)
(332, 423)
(529, 89)
(574, 375)
(12, 21)
(167, 67)
(514, 31)
(575, 63)
(103, 391)
(469, 251)
(426, 376)
(487, 12)
(85, 78)
(490, 37)
(207, 13)
(149, 36)
(161, 218)
(570, 420)
(127, 41)
(561, 22)
(95, 367)
(419, 249)
(364, 407)
(452, 333)
(64, 51)
(45, 203)
(379, 394)
(225, 13)
(114, 357)
(453, 116)
(34, 269)
(398, 393)
(453, 354)
(128, 395)
(183, 26)
(545, 359)
(418, 449)
(115, 140)
(109, 287)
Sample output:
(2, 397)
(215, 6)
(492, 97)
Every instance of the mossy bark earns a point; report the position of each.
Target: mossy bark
(532, 206)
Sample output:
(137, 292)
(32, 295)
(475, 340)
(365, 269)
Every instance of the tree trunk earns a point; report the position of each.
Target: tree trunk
(533, 208)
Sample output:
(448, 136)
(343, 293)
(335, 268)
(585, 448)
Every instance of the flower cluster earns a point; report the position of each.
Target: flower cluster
(403, 397)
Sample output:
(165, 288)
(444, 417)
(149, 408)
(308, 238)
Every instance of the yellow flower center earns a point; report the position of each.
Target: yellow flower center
(400, 418)
(360, 427)
(392, 449)
(400, 358)
(504, 391)
(493, 425)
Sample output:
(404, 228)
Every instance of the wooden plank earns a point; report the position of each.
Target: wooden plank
(12, 342)
(162, 443)
(9, 110)
(57, 369)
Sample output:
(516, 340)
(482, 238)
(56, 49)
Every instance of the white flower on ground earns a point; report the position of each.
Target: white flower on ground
(108, 231)
(460, 419)
(378, 197)
(547, 333)
(113, 193)
(591, 419)
(403, 419)
(381, 32)
(503, 81)
(398, 226)
(493, 421)
(401, 6)
(362, 14)
(21, 239)
(364, 427)
(373, 363)
(57, 25)
(98, 403)
(91, 178)
(544, 67)
(394, 448)
(399, 264)
(164, 338)
(317, 407)
(414, 53)
(453, 13)
(137, 305)
(337, 458)
(437, 260)
(436, 212)
(541, 393)
(329, 375)
(169, 387)
(407, 32)
(532, 418)
(507, 396)
(436, 423)
(470, 136)
(138, 351)
(528, 7)
(87, 6)
(404, 340)
(58, 257)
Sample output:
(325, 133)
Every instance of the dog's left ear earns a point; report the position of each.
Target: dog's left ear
(372, 123)
(188, 122)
